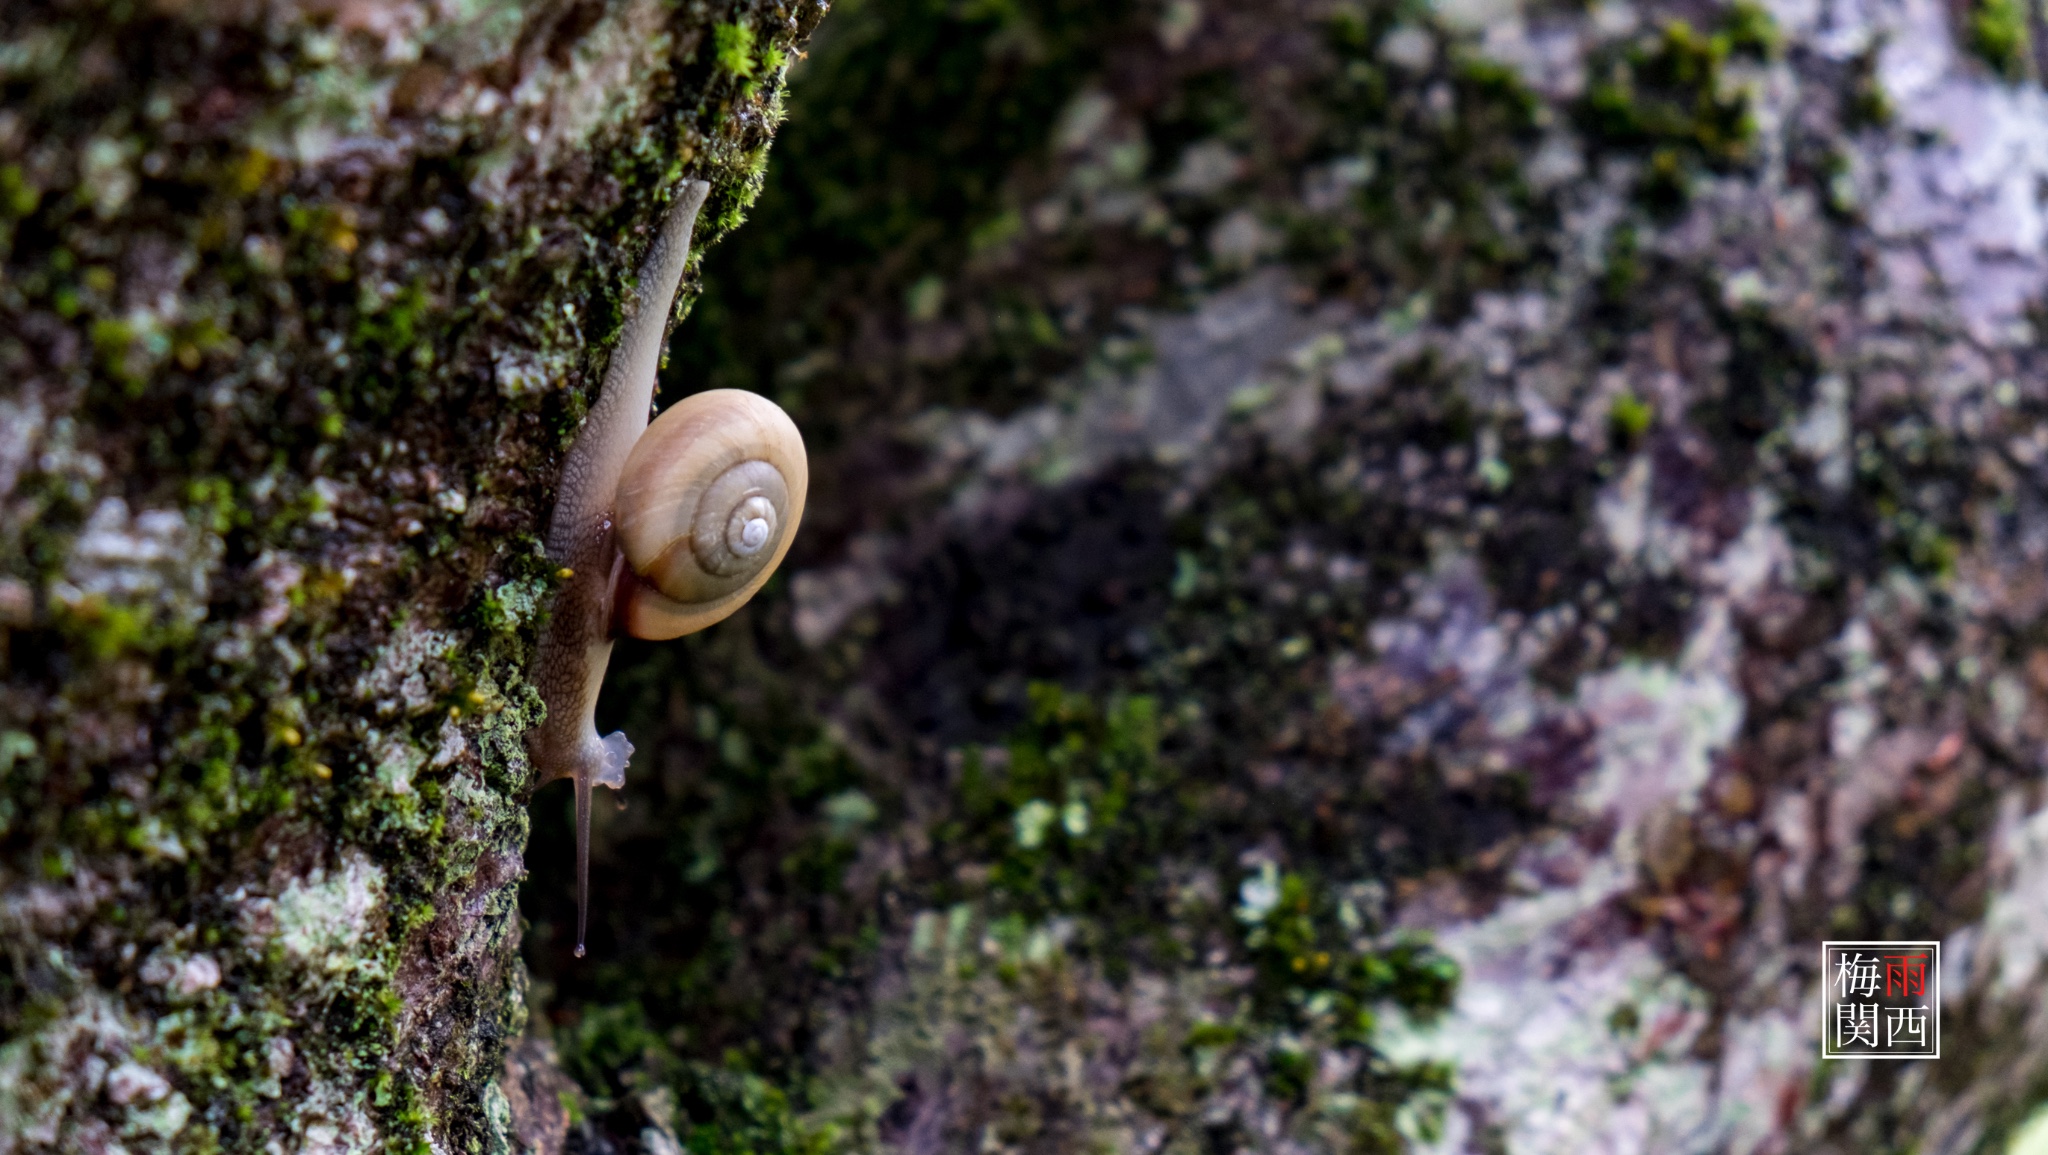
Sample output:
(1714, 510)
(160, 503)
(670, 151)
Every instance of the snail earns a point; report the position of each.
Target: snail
(659, 530)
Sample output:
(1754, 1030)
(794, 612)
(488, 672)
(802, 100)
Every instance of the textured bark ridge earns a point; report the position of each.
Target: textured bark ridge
(299, 305)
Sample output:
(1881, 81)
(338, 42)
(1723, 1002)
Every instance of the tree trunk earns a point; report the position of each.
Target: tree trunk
(300, 306)
(1377, 579)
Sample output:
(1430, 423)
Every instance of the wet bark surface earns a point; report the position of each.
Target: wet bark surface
(299, 306)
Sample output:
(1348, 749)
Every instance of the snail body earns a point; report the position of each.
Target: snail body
(659, 530)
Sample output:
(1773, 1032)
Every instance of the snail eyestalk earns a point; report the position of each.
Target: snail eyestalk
(617, 751)
(657, 531)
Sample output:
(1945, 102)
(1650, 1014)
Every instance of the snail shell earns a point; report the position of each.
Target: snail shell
(708, 503)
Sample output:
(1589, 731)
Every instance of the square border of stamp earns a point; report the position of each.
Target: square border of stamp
(1826, 1002)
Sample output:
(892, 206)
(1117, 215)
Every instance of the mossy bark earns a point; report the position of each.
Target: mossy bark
(299, 305)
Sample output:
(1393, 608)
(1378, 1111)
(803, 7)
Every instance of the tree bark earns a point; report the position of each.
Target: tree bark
(1563, 481)
(1567, 481)
(300, 306)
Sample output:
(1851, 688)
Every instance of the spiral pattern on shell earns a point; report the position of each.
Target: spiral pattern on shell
(708, 503)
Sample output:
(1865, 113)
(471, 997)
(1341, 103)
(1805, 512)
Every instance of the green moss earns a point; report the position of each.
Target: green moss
(1628, 418)
(1077, 824)
(1998, 35)
(1305, 943)
(1445, 212)
(1667, 98)
(115, 343)
(103, 630)
(393, 325)
(721, 1108)
(734, 46)
(18, 198)
(1869, 106)
(1066, 824)
(1752, 30)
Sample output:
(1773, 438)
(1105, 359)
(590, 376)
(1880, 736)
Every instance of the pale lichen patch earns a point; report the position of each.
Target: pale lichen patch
(153, 560)
(410, 671)
(319, 919)
(53, 1080)
(398, 760)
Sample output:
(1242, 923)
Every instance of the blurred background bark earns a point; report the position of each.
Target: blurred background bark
(1299, 482)
(1379, 576)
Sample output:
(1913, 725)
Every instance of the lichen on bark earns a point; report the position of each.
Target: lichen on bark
(300, 304)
